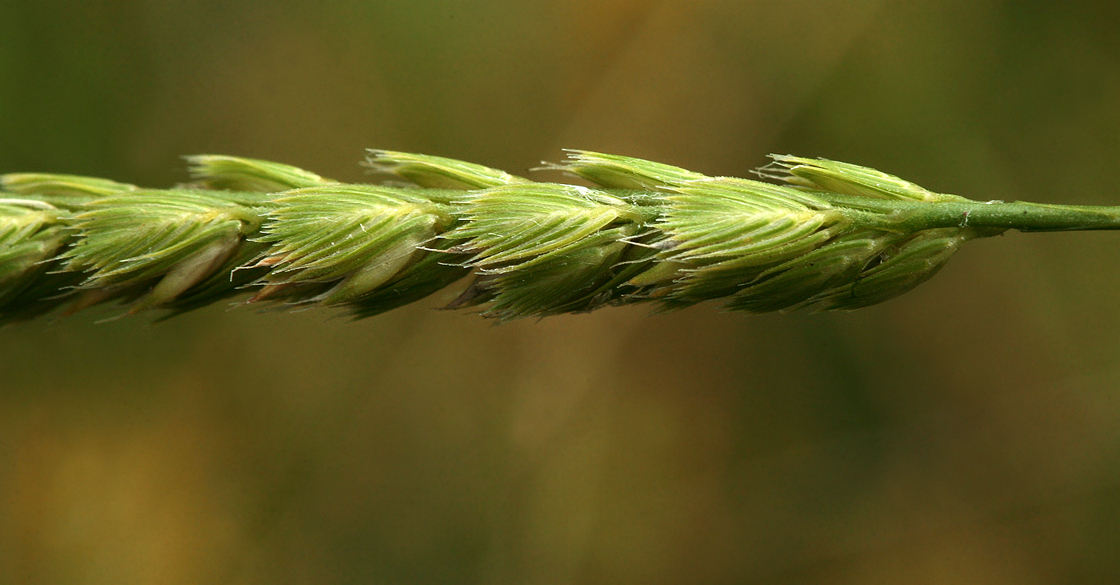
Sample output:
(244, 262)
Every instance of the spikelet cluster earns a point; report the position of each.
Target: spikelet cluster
(643, 232)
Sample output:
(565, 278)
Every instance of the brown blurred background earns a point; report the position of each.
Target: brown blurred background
(968, 432)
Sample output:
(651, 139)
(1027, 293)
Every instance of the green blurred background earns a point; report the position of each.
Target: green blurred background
(967, 432)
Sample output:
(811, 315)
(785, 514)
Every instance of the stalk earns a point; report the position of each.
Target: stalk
(1018, 215)
(820, 235)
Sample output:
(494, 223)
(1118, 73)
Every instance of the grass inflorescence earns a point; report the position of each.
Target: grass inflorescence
(820, 235)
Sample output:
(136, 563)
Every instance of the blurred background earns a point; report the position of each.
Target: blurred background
(967, 432)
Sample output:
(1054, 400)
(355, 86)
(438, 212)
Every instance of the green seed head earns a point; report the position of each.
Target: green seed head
(623, 172)
(827, 236)
(847, 179)
(349, 238)
(65, 191)
(436, 172)
(212, 171)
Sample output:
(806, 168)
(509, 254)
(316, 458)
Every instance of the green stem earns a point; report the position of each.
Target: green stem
(1017, 215)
